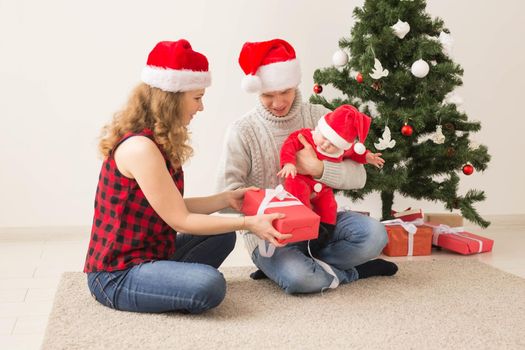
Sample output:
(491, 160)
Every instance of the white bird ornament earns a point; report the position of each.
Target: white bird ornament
(385, 141)
(378, 72)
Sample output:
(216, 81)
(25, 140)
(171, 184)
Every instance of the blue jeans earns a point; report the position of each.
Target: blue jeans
(189, 282)
(357, 238)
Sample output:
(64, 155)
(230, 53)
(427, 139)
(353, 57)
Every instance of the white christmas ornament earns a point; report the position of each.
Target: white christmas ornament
(378, 72)
(340, 58)
(420, 68)
(473, 145)
(385, 141)
(438, 136)
(400, 29)
(453, 98)
(446, 42)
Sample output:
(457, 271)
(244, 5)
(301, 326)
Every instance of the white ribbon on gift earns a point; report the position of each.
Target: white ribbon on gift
(280, 193)
(327, 268)
(411, 229)
(445, 229)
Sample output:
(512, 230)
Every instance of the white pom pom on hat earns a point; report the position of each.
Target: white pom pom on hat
(359, 148)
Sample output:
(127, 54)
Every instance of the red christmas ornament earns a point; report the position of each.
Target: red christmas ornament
(468, 169)
(318, 88)
(359, 78)
(407, 130)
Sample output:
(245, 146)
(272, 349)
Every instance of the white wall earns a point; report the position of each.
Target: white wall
(66, 66)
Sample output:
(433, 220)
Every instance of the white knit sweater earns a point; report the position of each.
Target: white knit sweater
(251, 152)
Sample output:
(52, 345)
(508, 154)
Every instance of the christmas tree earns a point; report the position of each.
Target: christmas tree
(397, 68)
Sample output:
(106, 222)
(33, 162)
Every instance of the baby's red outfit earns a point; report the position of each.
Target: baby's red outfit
(315, 195)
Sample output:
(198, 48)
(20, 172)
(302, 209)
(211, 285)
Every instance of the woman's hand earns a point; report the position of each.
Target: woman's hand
(261, 226)
(234, 199)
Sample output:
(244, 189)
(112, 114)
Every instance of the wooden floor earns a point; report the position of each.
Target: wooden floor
(31, 261)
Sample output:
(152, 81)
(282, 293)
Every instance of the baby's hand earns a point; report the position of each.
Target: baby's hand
(287, 170)
(375, 159)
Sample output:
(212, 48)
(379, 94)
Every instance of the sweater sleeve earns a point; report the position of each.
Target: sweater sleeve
(345, 175)
(234, 164)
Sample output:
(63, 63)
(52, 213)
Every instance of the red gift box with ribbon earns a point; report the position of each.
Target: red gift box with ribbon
(458, 240)
(407, 239)
(300, 221)
(408, 214)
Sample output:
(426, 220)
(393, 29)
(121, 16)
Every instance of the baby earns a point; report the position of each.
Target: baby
(333, 140)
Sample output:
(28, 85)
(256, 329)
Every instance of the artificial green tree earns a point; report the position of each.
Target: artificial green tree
(397, 67)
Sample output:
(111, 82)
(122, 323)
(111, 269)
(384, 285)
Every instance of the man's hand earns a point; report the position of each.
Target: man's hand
(307, 162)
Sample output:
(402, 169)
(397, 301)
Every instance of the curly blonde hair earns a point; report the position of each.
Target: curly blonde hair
(154, 109)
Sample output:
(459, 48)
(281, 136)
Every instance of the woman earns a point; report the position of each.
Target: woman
(136, 261)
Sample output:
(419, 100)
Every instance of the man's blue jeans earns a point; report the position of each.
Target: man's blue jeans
(190, 282)
(357, 238)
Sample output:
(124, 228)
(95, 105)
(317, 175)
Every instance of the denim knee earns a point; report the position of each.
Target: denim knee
(209, 291)
(377, 238)
(304, 282)
(296, 285)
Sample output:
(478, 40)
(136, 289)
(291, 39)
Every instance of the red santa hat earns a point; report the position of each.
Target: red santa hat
(173, 66)
(269, 66)
(343, 125)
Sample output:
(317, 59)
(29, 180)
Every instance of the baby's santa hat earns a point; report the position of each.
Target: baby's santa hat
(343, 125)
(269, 66)
(173, 66)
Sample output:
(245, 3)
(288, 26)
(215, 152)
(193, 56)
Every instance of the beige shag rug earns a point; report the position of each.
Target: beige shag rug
(440, 304)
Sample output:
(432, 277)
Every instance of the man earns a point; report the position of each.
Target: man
(251, 158)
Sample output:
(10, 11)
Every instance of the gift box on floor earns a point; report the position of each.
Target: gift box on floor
(408, 214)
(460, 241)
(403, 243)
(300, 221)
(449, 219)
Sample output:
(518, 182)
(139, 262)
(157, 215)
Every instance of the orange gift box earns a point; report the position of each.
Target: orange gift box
(399, 241)
(300, 221)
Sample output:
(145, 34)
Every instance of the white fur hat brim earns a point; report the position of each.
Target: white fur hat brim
(172, 80)
(274, 77)
(329, 133)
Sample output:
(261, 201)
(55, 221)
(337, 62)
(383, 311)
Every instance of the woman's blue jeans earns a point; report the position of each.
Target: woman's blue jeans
(356, 239)
(189, 282)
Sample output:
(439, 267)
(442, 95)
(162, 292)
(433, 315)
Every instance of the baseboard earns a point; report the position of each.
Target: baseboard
(80, 232)
(506, 219)
(44, 233)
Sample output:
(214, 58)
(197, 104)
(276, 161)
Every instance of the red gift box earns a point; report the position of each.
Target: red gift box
(460, 241)
(402, 243)
(408, 214)
(300, 221)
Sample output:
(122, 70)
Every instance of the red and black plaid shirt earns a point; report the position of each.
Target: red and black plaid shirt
(126, 230)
